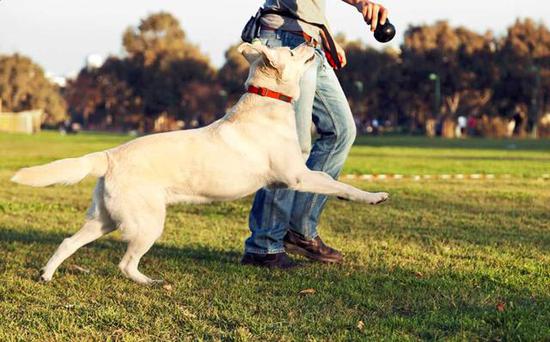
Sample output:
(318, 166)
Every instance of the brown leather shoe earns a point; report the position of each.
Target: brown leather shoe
(313, 249)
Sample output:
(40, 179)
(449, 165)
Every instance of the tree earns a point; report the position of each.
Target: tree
(233, 73)
(162, 73)
(23, 86)
(524, 70)
(158, 75)
(460, 58)
(167, 63)
(371, 81)
(159, 37)
(104, 94)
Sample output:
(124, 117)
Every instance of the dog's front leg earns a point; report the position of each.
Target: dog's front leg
(322, 183)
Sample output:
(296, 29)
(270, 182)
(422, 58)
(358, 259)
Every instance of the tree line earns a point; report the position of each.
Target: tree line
(438, 73)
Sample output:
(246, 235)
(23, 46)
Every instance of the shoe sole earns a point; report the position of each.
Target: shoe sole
(293, 249)
(258, 264)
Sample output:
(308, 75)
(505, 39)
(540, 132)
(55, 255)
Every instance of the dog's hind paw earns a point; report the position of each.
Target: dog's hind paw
(158, 282)
(144, 280)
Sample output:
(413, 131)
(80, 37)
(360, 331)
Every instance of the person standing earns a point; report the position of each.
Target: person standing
(283, 220)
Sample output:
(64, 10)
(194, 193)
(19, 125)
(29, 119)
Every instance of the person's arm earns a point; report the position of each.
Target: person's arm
(372, 12)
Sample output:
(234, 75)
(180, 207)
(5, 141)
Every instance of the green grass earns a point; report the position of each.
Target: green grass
(453, 260)
(420, 155)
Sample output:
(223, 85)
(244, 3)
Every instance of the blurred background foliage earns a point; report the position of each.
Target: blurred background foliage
(23, 86)
(162, 75)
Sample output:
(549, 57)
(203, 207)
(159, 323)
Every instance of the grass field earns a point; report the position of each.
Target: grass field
(452, 260)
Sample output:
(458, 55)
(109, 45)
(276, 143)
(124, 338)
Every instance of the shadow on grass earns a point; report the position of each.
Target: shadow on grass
(196, 253)
(444, 303)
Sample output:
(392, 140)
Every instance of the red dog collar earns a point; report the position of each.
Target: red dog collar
(269, 93)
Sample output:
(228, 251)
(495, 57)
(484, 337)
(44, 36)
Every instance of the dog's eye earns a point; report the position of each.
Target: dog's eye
(291, 53)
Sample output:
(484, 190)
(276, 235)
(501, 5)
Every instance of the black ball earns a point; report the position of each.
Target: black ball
(384, 33)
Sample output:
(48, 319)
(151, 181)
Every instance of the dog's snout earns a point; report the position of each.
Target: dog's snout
(311, 58)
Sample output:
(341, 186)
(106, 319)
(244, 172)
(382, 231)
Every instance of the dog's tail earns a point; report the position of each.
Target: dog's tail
(64, 171)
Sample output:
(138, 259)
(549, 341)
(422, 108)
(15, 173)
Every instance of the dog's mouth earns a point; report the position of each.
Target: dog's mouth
(311, 59)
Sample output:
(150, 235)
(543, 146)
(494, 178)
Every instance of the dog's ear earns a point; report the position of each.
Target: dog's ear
(252, 52)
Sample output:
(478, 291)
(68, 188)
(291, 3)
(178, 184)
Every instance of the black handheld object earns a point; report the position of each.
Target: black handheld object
(384, 33)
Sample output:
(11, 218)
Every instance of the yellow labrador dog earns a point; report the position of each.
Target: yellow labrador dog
(254, 145)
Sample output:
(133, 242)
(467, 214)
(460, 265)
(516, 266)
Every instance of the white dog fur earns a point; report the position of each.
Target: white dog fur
(254, 145)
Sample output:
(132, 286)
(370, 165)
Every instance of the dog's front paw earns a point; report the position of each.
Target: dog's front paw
(44, 278)
(378, 197)
(45, 275)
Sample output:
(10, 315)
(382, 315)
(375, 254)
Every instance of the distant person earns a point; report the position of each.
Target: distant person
(462, 123)
(68, 127)
(284, 220)
(375, 126)
(510, 127)
(472, 125)
(518, 126)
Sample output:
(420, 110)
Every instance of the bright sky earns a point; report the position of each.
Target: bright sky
(59, 34)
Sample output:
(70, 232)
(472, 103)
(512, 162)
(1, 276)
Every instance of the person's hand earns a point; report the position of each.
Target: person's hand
(341, 54)
(374, 14)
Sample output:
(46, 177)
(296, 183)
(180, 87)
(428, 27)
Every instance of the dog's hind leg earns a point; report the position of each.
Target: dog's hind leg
(139, 243)
(98, 223)
(322, 183)
(142, 225)
(92, 230)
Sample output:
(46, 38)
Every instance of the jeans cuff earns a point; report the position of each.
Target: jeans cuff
(310, 236)
(263, 251)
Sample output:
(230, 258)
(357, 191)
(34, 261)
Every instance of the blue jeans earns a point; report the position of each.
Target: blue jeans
(322, 101)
